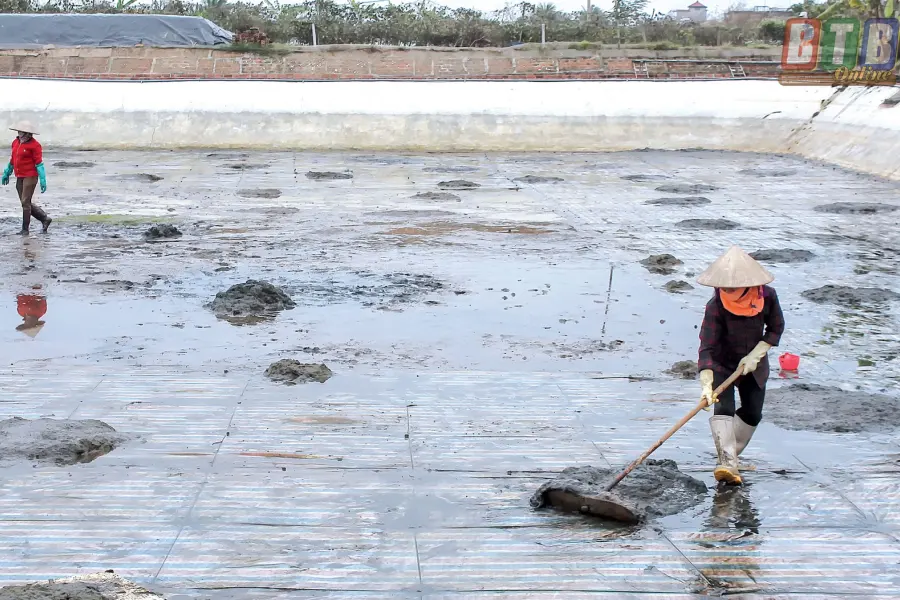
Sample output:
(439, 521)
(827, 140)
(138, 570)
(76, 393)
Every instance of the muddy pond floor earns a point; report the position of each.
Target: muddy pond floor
(481, 341)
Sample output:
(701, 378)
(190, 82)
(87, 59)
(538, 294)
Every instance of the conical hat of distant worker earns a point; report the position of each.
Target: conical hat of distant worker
(735, 269)
(25, 127)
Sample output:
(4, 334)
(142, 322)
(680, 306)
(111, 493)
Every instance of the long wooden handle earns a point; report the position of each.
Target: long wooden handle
(700, 405)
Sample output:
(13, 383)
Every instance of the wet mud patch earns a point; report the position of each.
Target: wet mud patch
(764, 172)
(245, 166)
(447, 227)
(678, 287)
(708, 224)
(811, 407)
(685, 369)
(229, 155)
(438, 196)
(267, 193)
(328, 175)
(65, 164)
(686, 188)
(855, 208)
(654, 489)
(160, 232)
(849, 296)
(783, 255)
(661, 264)
(97, 586)
(290, 372)
(383, 160)
(458, 184)
(644, 177)
(683, 201)
(538, 179)
(251, 299)
(56, 441)
(142, 177)
(459, 169)
(371, 289)
(414, 214)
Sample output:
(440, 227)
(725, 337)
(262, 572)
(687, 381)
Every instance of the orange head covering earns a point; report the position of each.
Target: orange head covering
(744, 302)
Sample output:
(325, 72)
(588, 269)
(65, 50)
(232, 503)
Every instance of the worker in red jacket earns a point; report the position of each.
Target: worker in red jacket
(27, 162)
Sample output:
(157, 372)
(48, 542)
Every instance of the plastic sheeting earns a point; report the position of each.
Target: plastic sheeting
(37, 31)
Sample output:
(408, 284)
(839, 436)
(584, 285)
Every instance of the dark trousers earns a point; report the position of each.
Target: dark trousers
(25, 186)
(752, 397)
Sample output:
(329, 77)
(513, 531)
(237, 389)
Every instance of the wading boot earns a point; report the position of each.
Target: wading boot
(26, 220)
(722, 428)
(40, 215)
(742, 434)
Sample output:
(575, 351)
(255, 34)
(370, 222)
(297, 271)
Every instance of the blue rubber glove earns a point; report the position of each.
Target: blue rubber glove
(42, 177)
(6, 174)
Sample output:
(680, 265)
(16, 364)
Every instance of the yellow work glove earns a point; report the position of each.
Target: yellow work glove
(706, 380)
(751, 361)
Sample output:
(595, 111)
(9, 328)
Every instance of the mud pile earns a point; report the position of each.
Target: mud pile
(686, 188)
(538, 179)
(144, 177)
(849, 296)
(686, 369)
(56, 441)
(710, 224)
(328, 175)
(641, 177)
(99, 586)
(267, 193)
(162, 232)
(855, 208)
(65, 164)
(678, 287)
(682, 201)
(810, 407)
(458, 184)
(290, 371)
(654, 489)
(764, 172)
(783, 255)
(661, 264)
(445, 196)
(252, 298)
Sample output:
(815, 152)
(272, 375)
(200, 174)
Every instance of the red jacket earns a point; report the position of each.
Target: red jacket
(26, 157)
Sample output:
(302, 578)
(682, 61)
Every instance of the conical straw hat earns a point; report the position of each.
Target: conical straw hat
(24, 126)
(735, 269)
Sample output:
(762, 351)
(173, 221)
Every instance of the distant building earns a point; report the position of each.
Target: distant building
(696, 12)
(757, 15)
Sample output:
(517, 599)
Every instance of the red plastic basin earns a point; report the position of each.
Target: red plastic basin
(789, 362)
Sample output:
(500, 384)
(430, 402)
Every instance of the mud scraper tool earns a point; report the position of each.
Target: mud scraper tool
(609, 505)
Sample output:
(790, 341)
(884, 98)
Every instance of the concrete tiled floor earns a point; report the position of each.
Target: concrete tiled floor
(419, 456)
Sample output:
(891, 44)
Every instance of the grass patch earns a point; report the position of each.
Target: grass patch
(114, 219)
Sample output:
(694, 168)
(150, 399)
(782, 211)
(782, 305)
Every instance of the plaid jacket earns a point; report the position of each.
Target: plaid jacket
(726, 338)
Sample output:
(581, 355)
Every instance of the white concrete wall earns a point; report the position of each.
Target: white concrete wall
(853, 130)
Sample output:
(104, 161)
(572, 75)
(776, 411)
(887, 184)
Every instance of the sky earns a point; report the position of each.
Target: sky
(664, 6)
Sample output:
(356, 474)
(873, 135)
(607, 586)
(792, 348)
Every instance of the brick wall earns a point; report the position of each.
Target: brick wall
(341, 62)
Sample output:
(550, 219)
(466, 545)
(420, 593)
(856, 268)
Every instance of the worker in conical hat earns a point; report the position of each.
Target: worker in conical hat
(27, 163)
(743, 320)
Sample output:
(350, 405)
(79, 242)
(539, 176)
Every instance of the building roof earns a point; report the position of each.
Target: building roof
(697, 5)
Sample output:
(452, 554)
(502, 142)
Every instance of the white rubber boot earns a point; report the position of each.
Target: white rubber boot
(742, 434)
(722, 428)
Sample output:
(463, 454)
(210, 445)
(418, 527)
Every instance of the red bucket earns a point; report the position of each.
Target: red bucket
(789, 362)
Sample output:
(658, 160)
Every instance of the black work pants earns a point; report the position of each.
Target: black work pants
(752, 397)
